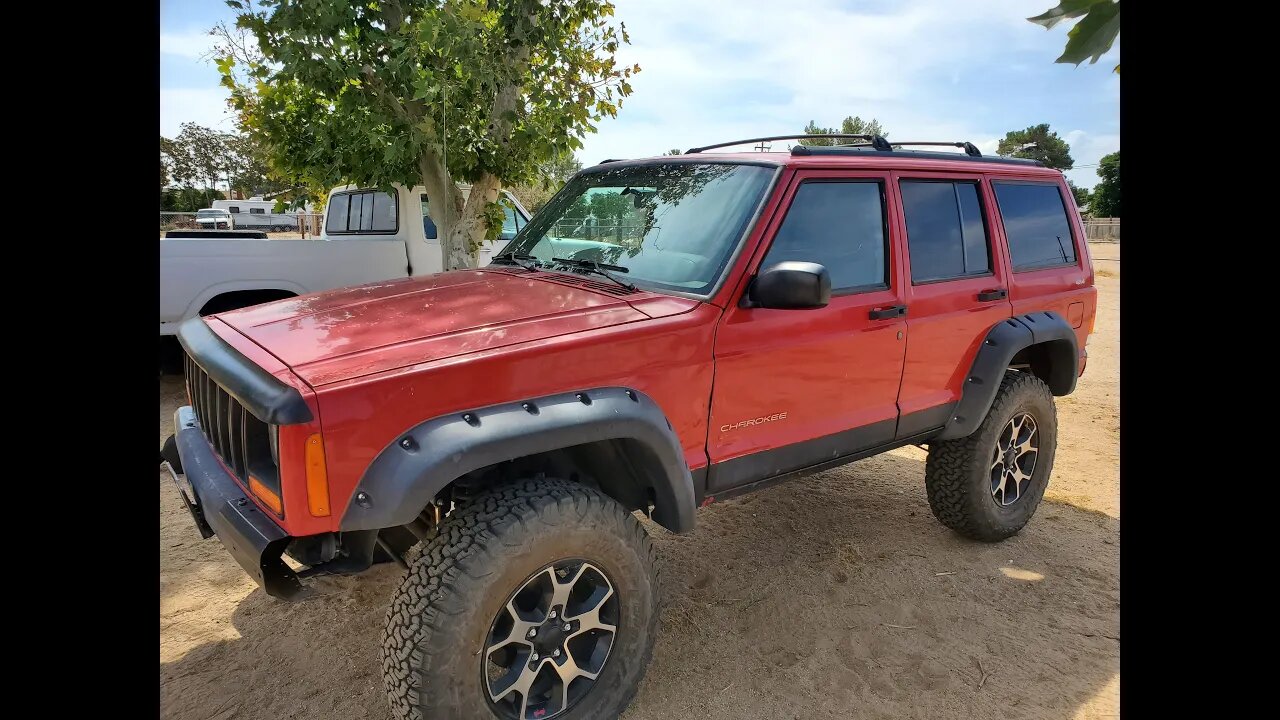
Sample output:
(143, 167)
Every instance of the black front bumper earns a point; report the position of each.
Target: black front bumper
(220, 507)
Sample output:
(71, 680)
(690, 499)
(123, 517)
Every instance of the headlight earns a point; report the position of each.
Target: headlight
(273, 432)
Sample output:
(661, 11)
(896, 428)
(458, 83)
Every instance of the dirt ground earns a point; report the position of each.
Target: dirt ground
(833, 596)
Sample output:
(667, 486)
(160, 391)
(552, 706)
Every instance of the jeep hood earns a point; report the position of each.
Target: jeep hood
(351, 332)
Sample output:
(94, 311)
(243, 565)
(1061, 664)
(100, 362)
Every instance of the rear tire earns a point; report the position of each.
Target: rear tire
(450, 633)
(987, 486)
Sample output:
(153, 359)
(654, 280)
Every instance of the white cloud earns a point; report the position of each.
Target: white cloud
(193, 45)
(203, 106)
(1088, 149)
(817, 59)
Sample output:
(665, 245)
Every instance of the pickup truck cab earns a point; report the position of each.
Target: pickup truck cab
(214, 219)
(369, 236)
(666, 333)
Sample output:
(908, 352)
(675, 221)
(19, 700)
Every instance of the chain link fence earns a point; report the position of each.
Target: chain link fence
(281, 226)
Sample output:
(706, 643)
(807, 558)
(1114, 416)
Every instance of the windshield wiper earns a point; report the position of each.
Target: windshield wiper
(598, 268)
(515, 258)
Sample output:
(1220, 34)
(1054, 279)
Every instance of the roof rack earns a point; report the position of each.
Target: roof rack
(876, 141)
(847, 150)
(969, 148)
(603, 162)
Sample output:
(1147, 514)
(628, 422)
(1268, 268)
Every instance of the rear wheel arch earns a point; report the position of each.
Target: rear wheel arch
(1042, 343)
(615, 439)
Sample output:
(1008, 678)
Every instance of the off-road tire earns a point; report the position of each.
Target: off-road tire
(432, 650)
(957, 475)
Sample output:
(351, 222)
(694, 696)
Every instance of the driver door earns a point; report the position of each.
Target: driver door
(795, 388)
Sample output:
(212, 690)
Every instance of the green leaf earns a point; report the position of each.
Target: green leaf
(1065, 9)
(1093, 36)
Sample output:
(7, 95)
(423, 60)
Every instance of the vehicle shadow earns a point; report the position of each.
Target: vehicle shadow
(832, 596)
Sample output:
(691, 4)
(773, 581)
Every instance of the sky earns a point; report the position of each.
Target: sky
(719, 70)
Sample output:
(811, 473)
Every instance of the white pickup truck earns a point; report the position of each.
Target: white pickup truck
(368, 236)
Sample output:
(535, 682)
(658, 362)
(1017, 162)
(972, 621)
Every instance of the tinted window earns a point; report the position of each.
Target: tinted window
(357, 207)
(362, 212)
(1035, 222)
(946, 236)
(257, 211)
(234, 209)
(337, 220)
(428, 226)
(384, 212)
(840, 225)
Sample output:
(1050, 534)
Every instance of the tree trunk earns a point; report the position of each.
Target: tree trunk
(468, 233)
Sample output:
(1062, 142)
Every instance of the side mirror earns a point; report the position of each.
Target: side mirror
(791, 285)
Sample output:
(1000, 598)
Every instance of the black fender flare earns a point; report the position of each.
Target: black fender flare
(408, 474)
(1005, 340)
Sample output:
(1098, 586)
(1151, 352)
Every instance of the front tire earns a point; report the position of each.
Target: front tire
(987, 486)
(458, 643)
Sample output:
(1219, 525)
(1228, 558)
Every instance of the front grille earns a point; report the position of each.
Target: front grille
(241, 440)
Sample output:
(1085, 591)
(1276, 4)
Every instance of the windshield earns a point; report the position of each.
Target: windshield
(670, 226)
(210, 213)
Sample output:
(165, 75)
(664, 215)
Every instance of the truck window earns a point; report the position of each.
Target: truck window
(428, 225)
(511, 222)
(362, 212)
(1035, 223)
(234, 209)
(946, 237)
(840, 225)
(257, 211)
(337, 220)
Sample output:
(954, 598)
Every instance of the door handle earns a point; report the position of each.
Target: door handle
(989, 295)
(894, 311)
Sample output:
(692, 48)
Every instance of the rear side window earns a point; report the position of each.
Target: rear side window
(840, 225)
(1035, 222)
(364, 211)
(946, 236)
(428, 225)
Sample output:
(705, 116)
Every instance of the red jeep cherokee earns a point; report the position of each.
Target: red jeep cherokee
(665, 333)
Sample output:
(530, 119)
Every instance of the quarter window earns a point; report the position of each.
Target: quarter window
(1035, 223)
(946, 236)
(428, 225)
(365, 211)
(840, 225)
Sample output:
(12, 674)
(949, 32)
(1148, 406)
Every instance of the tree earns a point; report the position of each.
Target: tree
(1037, 142)
(1092, 36)
(852, 125)
(1081, 195)
(674, 151)
(1106, 194)
(430, 92)
(552, 175)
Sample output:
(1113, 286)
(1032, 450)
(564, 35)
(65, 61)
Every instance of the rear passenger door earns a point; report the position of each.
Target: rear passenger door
(957, 291)
(1047, 255)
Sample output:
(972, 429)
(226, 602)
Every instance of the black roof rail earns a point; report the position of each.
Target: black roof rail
(876, 141)
(847, 150)
(603, 162)
(969, 148)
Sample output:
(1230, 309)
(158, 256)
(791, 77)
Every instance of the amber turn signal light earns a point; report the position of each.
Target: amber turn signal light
(317, 477)
(268, 498)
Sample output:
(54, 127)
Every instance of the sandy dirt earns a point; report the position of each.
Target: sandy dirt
(833, 596)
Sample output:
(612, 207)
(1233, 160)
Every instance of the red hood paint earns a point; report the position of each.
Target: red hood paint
(351, 332)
